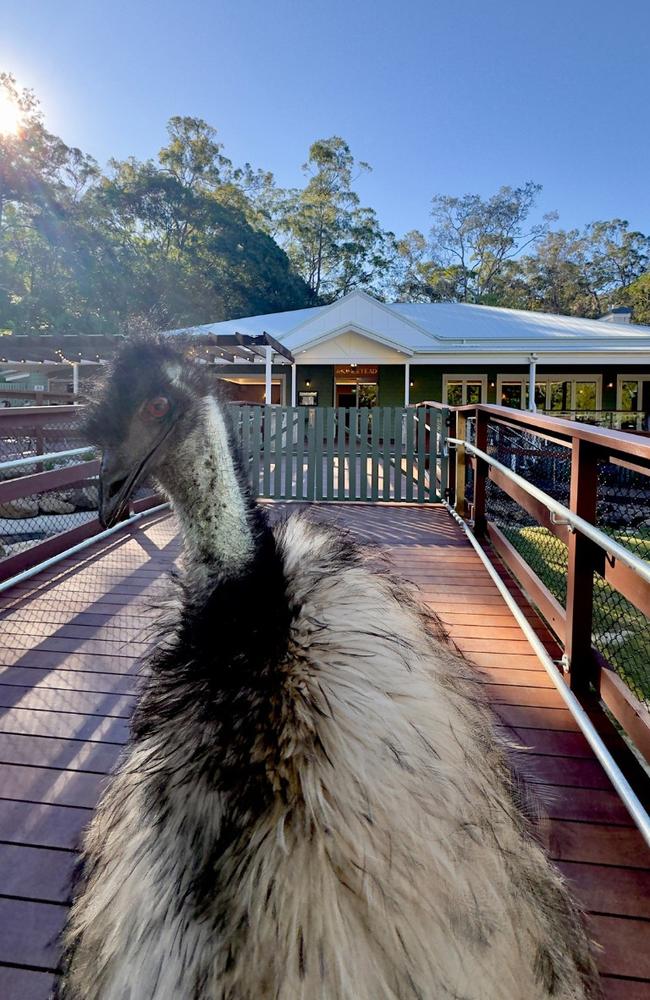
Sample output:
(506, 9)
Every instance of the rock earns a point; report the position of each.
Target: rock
(24, 507)
(85, 498)
(54, 503)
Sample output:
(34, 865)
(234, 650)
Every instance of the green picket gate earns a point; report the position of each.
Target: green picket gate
(339, 453)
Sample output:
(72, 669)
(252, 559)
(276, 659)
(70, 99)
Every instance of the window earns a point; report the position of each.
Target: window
(556, 393)
(512, 394)
(586, 396)
(462, 390)
(633, 396)
(629, 396)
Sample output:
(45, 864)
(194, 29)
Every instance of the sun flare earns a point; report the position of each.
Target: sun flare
(10, 115)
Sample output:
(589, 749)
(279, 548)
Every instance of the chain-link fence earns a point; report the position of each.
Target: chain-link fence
(620, 631)
(34, 506)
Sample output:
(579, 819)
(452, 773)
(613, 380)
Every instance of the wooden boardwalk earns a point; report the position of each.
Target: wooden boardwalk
(71, 638)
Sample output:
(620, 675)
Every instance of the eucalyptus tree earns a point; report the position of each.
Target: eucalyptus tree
(334, 242)
(477, 236)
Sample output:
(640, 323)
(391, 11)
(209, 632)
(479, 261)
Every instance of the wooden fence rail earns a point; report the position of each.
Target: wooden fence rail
(345, 454)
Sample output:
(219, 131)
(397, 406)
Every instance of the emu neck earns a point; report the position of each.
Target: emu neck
(210, 499)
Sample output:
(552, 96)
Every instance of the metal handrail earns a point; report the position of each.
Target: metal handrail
(16, 463)
(589, 731)
(611, 547)
(26, 574)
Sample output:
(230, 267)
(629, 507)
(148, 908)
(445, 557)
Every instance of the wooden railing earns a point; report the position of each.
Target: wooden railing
(14, 395)
(593, 558)
(32, 432)
(343, 454)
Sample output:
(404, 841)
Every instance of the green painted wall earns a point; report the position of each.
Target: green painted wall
(427, 383)
(391, 385)
(427, 379)
(321, 379)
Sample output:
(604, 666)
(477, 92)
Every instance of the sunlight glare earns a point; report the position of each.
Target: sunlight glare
(10, 115)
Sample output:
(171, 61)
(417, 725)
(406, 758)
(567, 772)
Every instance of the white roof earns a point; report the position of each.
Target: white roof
(419, 331)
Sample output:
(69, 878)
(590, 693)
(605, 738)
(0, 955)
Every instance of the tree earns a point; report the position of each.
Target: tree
(614, 258)
(478, 236)
(333, 242)
(550, 280)
(637, 296)
(418, 278)
(199, 258)
(165, 243)
(578, 273)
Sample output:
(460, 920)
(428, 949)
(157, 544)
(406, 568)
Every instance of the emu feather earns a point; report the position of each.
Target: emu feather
(313, 805)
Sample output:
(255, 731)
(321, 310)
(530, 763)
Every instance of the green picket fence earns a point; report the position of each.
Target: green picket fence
(336, 453)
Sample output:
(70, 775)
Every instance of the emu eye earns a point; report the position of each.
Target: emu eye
(155, 408)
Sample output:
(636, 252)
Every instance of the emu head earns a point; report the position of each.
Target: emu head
(149, 404)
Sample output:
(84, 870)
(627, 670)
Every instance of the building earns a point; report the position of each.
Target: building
(359, 351)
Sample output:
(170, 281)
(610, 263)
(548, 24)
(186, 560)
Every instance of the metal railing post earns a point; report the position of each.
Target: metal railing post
(480, 474)
(460, 477)
(580, 661)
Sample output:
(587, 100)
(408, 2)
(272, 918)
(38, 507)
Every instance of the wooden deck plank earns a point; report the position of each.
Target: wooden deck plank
(68, 754)
(69, 725)
(624, 989)
(48, 660)
(115, 706)
(43, 784)
(573, 772)
(36, 872)
(68, 680)
(609, 890)
(25, 984)
(42, 825)
(68, 673)
(30, 931)
(625, 946)
(594, 843)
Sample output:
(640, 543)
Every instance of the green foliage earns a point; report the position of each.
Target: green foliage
(167, 243)
(637, 297)
(334, 242)
(486, 251)
(477, 237)
(189, 238)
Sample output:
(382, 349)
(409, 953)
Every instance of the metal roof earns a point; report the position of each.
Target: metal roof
(439, 327)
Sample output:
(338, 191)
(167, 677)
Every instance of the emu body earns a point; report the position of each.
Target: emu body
(313, 805)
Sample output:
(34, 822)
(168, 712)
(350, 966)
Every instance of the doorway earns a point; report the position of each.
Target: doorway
(356, 385)
(353, 394)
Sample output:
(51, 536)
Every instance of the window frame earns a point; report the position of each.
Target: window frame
(464, 379)
(554, 377)
(620, 379)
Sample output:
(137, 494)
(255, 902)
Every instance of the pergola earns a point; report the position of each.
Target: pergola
(232, 348)
(32, 350)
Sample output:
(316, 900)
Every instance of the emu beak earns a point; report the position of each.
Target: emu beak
(118, 480)
(116, 485)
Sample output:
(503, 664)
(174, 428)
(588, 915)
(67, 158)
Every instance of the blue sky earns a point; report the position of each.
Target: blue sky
(437, 99)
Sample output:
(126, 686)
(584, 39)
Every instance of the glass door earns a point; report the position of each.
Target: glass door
(634, 398)
(464, 390)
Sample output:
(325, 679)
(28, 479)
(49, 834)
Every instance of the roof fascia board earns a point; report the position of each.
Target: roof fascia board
(539, 343)
(608, 358)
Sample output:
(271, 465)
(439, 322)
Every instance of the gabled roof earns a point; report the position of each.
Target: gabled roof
(415, 328)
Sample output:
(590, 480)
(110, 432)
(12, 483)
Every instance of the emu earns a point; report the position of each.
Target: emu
(313, 805)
